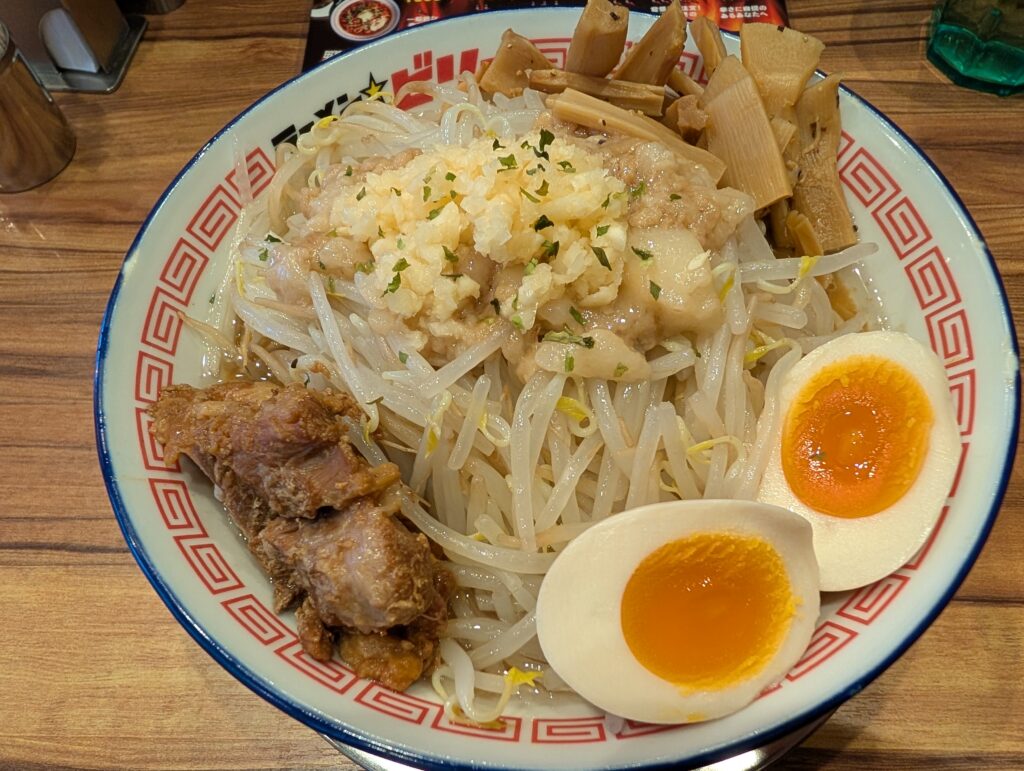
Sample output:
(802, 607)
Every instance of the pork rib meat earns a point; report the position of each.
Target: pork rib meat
(312, 512)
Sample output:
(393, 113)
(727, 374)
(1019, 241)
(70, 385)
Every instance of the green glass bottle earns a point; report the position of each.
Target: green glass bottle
(980, 44)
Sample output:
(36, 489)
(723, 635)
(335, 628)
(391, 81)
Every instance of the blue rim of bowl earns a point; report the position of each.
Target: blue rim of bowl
(371, 744)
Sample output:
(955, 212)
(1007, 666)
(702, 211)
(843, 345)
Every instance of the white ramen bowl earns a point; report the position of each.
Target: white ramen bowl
(934, 278)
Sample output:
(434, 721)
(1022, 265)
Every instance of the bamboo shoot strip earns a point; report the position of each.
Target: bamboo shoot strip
(630, 96)
(653, 58)
(598, 40)
(801, 232)
(785, 132)
(818, 193)
(780, 60)
(739, 133)
(576, 107)
(683, 84)
(729, 72)
(507, 73)
(778, 214)
(709, 42)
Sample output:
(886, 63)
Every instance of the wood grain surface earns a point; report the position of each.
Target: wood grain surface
(95, 673)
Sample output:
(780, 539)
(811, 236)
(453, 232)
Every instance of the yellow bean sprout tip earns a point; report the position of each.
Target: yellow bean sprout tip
(725, 288)
(479, 537)
(807, 264)
(517, 677)
(701, 447)
(325, 122)
(710, 444)
(572, 408)
(754, 355)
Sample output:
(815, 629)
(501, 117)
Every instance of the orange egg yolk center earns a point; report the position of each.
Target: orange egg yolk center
(709, 610)
(856, 436)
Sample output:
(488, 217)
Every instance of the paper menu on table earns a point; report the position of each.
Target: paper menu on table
(336, 26)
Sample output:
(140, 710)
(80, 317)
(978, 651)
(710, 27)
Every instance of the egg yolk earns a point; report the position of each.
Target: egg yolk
(856, 436)
(709, 610)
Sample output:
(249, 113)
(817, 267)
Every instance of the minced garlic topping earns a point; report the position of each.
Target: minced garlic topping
(543, 204)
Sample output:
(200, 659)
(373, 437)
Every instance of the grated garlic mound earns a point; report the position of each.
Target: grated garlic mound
(555, 225)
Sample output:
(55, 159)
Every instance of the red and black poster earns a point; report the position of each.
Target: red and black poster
(336, 26)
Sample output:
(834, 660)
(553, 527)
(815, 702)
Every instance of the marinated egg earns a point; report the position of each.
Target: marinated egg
(680, 612)
(867, 452)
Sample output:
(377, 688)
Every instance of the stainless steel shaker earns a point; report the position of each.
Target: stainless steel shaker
(36, 142)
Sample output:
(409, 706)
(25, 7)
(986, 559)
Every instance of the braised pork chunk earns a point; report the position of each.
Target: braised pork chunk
(360, 567)
(286, 443)
(310, 509)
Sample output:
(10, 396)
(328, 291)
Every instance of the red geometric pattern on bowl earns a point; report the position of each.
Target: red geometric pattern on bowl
(331, 674)
(867, 603)
(572, 730)
(175, 506)
(950, 335)
(845, 143)
(259, 169)
(866, 179)
(510, 731)
(257, 619)
(394, 704)
(633, 728)
(151, 452)
(902, 225)
(554, 49)
(207, 562)
(182, 270)
(932, 280)
(163, 324)
(827, 640)
(152, 373)
(215, 217)
(693, 65)
(961, 386)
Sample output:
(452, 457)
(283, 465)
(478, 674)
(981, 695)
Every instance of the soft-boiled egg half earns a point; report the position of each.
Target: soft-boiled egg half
(680, 612)
(867, 452)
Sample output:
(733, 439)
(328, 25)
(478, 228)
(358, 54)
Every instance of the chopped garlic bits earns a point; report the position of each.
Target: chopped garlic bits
(542, 210)
(594, 249)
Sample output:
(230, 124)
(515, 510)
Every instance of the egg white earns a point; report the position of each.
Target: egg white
(579, 607)
(853, 552)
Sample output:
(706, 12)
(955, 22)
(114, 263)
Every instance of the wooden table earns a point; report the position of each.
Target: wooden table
(96, 673)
